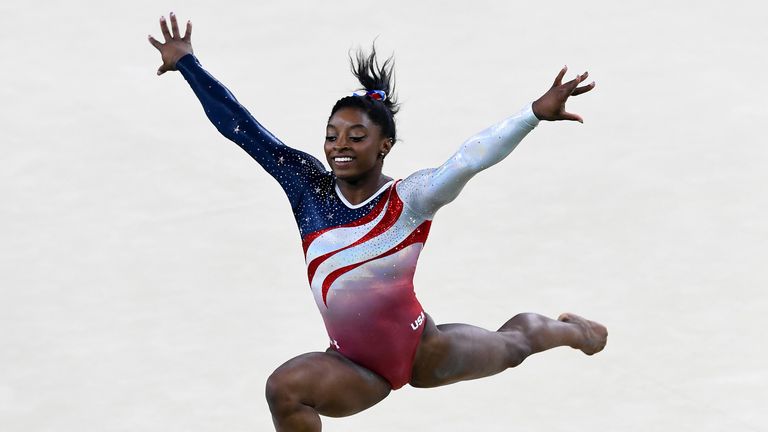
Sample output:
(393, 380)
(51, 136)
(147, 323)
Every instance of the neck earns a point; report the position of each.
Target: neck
(359, 190)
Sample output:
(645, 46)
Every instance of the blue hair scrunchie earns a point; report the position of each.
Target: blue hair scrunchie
(378, 95)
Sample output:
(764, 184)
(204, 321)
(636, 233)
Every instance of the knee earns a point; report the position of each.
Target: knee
(283, 392)
(517, 338)
(279, 397)
(517, 351)
(522, 322)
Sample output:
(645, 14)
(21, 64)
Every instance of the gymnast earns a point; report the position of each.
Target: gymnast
(362, 233)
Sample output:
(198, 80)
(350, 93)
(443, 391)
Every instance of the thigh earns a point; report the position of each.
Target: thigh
(328, 382)
(449, 353)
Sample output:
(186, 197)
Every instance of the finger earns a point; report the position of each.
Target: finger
(188, 32)
(572, 84)
(164, 29)
(175, 26)
(155, 43)
(583, 89)
(560, 75)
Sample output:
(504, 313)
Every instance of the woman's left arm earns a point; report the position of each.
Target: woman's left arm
(427, 190)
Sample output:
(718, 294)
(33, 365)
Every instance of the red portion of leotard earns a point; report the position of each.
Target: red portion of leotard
(361, 274)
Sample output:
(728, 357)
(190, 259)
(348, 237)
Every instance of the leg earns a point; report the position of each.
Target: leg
(315, 384)
(451, 353)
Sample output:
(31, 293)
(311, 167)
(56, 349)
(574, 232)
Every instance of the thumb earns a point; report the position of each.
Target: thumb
(572, 117)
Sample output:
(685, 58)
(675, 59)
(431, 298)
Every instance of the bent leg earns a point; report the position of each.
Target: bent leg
(315, 384)
(451, 353)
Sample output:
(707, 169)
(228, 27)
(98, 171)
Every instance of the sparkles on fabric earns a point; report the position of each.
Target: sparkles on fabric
(360, 259)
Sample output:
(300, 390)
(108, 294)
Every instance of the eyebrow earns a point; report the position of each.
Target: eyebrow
(354, 126)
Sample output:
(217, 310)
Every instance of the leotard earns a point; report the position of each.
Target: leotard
(360, 258)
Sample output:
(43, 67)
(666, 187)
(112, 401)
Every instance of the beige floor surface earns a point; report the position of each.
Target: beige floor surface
(151, 275)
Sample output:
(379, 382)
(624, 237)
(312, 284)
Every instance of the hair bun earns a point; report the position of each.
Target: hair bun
(376, 99)
(375, 77)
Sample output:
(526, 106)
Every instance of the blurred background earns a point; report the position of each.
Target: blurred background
(151, 274)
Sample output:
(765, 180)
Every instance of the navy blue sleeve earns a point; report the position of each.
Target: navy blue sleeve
(293, 169)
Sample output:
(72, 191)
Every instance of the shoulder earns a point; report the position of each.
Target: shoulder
(413, 190)
(414, 182)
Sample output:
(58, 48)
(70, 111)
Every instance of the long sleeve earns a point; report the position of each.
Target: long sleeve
(292, 168)
(427, 190)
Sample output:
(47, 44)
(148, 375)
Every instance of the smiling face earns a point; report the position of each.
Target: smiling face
(353, 144)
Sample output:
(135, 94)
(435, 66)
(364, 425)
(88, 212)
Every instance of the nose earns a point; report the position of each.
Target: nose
(341, 143)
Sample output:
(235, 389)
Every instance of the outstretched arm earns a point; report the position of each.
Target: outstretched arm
(289, 166)
(427, 190)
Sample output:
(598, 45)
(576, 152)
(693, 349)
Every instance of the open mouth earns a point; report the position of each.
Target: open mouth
(343, 160)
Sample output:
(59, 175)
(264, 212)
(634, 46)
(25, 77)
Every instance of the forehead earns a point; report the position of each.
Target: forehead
(350, 117)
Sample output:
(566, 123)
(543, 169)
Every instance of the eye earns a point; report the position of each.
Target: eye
(330, 138)
(357, 139)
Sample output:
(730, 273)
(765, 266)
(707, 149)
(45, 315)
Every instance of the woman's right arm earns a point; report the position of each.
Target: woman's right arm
(238, 125)
(231, 119)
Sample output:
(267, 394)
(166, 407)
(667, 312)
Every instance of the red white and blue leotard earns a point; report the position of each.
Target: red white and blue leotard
(360, 258)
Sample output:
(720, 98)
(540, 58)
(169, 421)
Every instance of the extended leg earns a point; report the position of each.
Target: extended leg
(315, 384)
(451, 353)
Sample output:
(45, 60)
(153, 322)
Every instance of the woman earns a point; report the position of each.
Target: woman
(362, 233)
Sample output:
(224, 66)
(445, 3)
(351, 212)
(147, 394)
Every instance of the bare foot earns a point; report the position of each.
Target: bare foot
(595, 334)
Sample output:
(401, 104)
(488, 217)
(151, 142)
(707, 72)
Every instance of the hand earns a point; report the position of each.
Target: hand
(551, 106)
(175, 46)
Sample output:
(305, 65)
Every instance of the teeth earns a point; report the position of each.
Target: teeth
(342, 159)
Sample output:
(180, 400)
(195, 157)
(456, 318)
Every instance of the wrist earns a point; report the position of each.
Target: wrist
(536, 108)
(529, 115)
(185, 60)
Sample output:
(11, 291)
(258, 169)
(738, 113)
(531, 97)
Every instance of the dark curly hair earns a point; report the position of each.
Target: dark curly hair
(373, 76)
